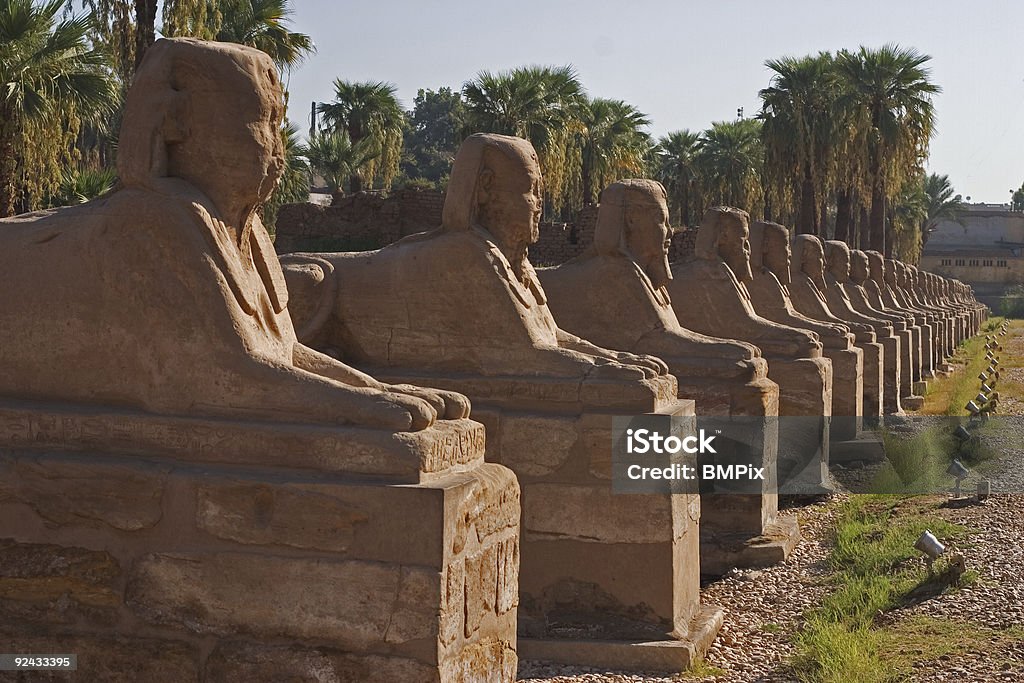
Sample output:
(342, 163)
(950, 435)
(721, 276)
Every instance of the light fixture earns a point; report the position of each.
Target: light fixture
(981, 399)
(990, 369)
(930, 546)
(962, 433)
(983, 376)
(984, 490)
(985, 388)
(972, 408)
(958, 472)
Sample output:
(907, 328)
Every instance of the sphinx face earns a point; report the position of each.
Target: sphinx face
(813, 259)
(510, 200)
(238, 150)
(876, 265)
(649, 238)
(858, 267)
(734, 247)
(839, 264)
(890, 273)
(777, 254)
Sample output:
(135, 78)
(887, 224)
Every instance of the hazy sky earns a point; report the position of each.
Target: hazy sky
(686, 64)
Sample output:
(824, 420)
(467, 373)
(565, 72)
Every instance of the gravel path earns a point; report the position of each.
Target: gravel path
(762, 609)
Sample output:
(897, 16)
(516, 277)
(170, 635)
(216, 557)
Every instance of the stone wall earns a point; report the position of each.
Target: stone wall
(360, 222)
(154, 570)
(371, 220)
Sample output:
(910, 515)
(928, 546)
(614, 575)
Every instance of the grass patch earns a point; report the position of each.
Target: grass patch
(875, 569)
(918, 464)
(949, 395)
(700, 670)
(922, 638)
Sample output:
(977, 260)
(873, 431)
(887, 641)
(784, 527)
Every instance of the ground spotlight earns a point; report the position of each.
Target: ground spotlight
(930, 546)
(962, 433)
(985, 388)
(983, 376)
(972, 408)
(958, 472)
(981, 399)
(984, 490)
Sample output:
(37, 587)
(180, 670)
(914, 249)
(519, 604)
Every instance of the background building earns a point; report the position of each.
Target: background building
(985, 250)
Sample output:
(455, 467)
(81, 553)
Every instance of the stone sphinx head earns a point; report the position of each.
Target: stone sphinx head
(633, 219)
(837, 257)
(812, 255)
(892, 275)
(769, 248)
(209, 114)
(496, 186)
(860, 268)
(876, 266)
(724, 235)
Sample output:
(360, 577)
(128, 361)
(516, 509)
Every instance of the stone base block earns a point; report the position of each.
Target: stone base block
(847, 392)
(919, 388)
(913, 402)
(722, 552)
(667, 655)
(868, 447)
(228, 571)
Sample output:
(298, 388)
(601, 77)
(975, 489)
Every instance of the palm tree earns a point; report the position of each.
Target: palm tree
(678, 170)
(907, 212)
(611, 143)
(334, 156)
(540, 103)
(886, 96)
(263, 24)
(730, 161)
(368, 111)
(941, 202)
(798, 133)
(47, 71)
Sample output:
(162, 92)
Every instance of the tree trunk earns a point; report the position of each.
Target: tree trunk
(586, 181)
(8, 165)
(876, 225)
(145, 28)
(806, 222)
(864, 231)
(844, 215)
(684, 203)
(823, 218)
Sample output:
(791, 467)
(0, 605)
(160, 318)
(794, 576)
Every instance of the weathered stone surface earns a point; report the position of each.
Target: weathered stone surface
(537, 445)
(247, 663)
(169, 298)
(348, 603)
(106, 660)
(57, 584)
(303, 516)
(70, 492)
(553, 511)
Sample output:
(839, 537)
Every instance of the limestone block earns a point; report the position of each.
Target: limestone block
(69, 492)
(51, 583)
(110, 660)
(350, 604)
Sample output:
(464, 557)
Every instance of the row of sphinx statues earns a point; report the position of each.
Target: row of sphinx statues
(439, 404)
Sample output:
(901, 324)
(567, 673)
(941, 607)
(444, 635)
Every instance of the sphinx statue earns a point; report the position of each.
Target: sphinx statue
(837, 276)
(807, 292)
(615, 295)
(164, 411)
(928, 320)
(942, 344)
(770, 255)
(709, 295)
(881, 299)
(460, 307)
(861, 302)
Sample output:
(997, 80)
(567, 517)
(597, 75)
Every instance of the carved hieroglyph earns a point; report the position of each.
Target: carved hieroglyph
(615, 295)
(150, 329)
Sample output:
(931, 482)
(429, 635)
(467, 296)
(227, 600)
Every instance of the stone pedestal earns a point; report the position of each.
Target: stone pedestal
(599, 569)
(192, 550)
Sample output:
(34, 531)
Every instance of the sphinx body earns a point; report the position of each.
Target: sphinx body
(709, 296)
(942, 330)
(148, 331)
(837, 275)
(614, 295)
(881, 299)
(462, 306)
(769, 293)
(883, 272)
(807, 292)
(861, 302)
